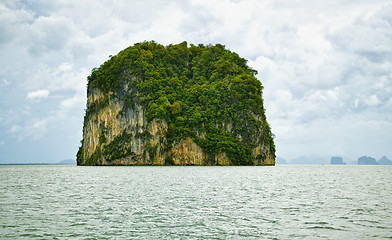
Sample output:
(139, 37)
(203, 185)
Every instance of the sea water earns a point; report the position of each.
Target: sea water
(281, 202)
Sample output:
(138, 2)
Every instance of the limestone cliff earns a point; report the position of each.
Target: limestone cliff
(174, 105)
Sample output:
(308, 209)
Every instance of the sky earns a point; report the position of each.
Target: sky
(326, 67)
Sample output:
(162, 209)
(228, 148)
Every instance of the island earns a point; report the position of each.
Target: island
(365, 160)
(337, 161)
(175, 105)
(384, 161)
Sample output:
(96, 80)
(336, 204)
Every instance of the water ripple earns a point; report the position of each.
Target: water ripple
(282, 202)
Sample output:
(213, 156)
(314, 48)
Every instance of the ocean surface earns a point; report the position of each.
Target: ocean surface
(281, 202)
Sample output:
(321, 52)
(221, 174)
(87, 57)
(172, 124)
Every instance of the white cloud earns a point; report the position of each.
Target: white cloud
(4, 82)
(372, 101)
(31, 130)
(10, 22)
(37, 95)
(15, 129)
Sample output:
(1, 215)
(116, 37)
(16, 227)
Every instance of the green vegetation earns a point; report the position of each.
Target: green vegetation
(95, 106)
(79, 154)
(118, 148)
(196, 89)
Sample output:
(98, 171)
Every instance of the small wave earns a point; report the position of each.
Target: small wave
(326, 227)
(31, 235)
(78, 224)
(316, 223)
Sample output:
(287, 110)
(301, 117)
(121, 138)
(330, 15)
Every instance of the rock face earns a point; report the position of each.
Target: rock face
(156, 105)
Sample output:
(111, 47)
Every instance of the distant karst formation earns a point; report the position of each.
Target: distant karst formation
(175, 105)
(365, 160)
(337, 161)
(384, 161)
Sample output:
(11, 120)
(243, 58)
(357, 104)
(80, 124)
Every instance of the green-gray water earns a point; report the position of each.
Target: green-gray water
(281, 202)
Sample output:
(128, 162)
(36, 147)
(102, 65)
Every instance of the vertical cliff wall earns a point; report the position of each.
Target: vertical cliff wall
(175, 105)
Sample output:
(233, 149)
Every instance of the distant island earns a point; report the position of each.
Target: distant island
(67, 161)
(335, 160)
(175, 105)
(280, 160)
(384, 161)
(365, 160)
(63, 162)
